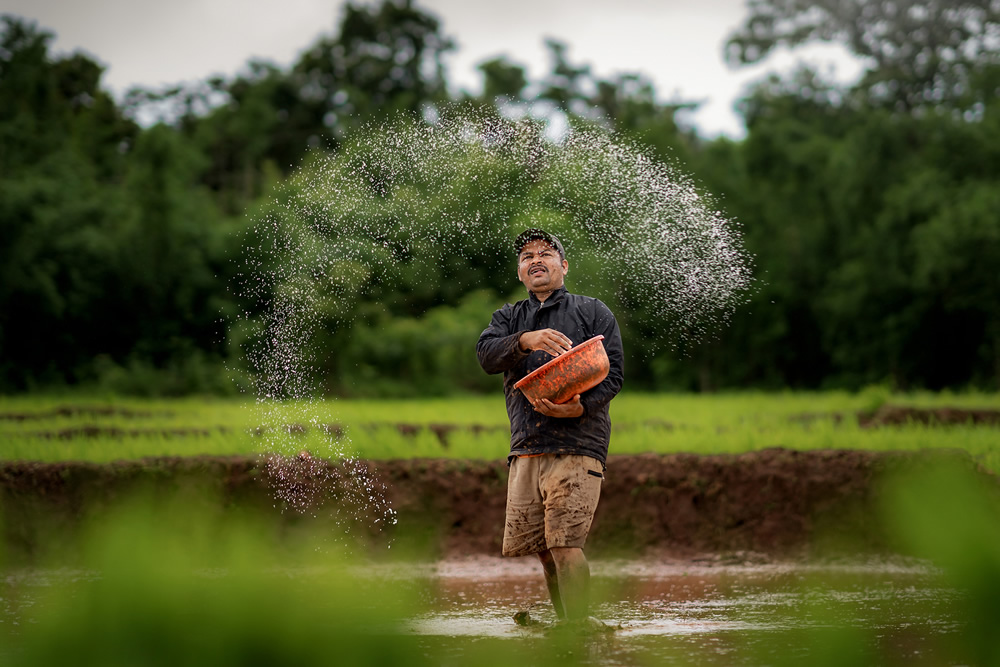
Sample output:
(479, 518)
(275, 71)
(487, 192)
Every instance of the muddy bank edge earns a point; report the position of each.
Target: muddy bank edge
(777, 502)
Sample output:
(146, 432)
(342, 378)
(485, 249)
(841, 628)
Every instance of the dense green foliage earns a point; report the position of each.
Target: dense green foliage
(871, 211)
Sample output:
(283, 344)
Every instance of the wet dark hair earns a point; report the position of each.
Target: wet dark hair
(535, 234)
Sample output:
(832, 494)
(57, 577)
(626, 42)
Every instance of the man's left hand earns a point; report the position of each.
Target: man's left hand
(571, 408)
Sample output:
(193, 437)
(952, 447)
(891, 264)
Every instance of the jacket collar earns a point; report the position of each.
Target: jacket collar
(556, 296)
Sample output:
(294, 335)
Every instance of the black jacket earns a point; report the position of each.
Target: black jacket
(579, 318)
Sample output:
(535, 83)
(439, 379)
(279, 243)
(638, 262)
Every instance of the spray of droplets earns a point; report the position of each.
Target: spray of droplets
(453, 187)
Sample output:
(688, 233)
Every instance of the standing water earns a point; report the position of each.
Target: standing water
(664, 612)
(706, 613)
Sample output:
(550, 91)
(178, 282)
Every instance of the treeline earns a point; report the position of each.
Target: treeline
(873, 212)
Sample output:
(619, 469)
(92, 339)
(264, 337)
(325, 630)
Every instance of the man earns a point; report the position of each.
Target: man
(557, 451)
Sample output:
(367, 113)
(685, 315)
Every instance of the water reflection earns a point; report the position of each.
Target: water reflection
(729, 614)
(680, 611)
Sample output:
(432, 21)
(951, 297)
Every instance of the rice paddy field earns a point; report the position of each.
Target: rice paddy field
(179, 579)
(71, 428)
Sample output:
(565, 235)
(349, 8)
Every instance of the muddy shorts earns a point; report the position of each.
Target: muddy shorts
(550, 502)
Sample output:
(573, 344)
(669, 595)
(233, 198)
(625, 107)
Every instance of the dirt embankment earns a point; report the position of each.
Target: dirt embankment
(897, 415)
(777, 502)
(901, 415)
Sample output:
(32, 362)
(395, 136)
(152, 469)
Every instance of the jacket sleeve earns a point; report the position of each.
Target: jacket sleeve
(598, 397)
(498, 349)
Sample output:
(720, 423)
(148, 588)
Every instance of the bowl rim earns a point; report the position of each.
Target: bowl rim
(552, 362)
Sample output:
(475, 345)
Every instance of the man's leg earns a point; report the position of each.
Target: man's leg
(573, 577)
(570, 488)
(552, 581)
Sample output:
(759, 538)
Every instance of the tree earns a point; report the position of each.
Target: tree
(63, 149)
(385, 59)
(919, 53)
(502, 79)
(52, 105)
(566, 85)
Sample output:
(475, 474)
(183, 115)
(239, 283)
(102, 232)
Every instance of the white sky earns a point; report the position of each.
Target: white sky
(676, 43)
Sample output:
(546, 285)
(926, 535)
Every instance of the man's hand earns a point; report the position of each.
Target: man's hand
(546, 340)
(571, 409)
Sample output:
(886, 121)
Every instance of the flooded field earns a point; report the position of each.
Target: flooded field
(704, 612)
(184, 560)
(686, 612)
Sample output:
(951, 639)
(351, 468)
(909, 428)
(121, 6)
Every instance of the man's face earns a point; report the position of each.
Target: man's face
(540, 267)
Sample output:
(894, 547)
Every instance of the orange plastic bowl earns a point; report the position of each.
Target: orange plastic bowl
(569, 374)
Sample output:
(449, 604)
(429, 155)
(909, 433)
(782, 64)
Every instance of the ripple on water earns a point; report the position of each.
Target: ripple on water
(477, 597)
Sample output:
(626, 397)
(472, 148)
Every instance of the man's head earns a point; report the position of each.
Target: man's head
(541, 262)
(533, 234)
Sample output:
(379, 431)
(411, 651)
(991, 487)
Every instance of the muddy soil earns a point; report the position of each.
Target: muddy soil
(94, 431)
(896, 415)
(899, 415)
(442, 431)
(774, 502)
(81, 410)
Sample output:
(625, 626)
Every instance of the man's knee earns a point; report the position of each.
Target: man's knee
(566, 556)
(548, 561)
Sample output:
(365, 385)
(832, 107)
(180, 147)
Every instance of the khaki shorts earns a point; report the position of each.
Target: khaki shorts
(550, 502)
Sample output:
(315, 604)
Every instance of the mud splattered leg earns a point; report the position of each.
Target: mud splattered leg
(552, 582)
(573, 574)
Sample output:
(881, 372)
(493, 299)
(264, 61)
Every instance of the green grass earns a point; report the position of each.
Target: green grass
(380, 429)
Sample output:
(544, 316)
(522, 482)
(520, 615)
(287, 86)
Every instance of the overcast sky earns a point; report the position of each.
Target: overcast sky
(676, 43)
